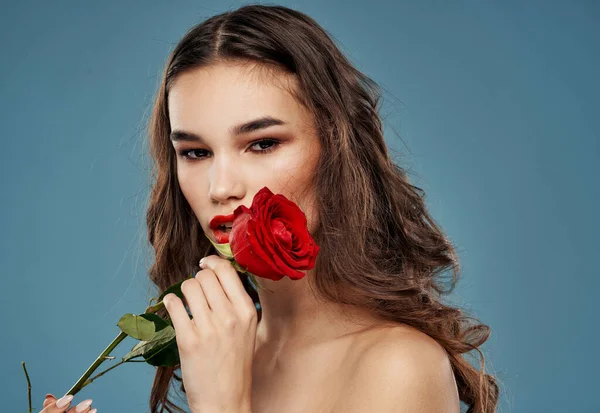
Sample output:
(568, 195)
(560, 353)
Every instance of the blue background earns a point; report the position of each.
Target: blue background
(492, 105)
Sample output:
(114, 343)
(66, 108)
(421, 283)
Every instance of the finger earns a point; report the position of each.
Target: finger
(179, 316)
(49, 400)
(51, 407)
(213, 292)
(229, 279)
(196, 301)
(83, 407)
(88, 410)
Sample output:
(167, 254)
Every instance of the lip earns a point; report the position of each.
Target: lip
(220, 220)
(222, 237)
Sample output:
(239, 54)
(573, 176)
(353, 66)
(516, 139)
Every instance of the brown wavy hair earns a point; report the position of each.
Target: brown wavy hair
(398, 252)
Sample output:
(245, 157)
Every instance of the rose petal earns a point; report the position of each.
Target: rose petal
(275, 241)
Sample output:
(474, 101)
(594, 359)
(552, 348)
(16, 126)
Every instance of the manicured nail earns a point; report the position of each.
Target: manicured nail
(93, 410)
(63, 401)
(83, 405)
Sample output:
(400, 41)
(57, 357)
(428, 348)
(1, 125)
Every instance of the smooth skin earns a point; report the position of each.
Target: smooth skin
(216, 347)
(50, 406)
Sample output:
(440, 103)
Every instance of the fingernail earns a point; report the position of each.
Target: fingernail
(200, 263)
(83, 405)
(93, 410)
(49, 396)
(63, 401)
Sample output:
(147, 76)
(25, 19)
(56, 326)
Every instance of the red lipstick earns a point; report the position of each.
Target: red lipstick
(216, 224)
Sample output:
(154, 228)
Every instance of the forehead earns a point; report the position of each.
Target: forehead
(223, 94)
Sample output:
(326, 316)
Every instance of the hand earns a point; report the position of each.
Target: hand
(216, 347)
(50, 406)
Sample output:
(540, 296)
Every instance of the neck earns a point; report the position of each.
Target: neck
(293, 317)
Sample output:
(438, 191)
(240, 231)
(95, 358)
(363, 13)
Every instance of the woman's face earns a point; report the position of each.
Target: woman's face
(235, 131)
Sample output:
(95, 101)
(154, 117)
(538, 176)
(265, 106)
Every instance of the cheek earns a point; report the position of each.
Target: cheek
(293, 179)
(292, 173)
(192, 187)
(184, 181)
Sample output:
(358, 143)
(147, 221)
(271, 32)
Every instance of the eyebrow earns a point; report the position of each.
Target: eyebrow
(243, 128)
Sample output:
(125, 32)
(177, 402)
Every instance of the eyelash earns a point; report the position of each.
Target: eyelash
(184, 153)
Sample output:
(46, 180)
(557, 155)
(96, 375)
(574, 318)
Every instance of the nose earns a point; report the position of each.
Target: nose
(226, 184)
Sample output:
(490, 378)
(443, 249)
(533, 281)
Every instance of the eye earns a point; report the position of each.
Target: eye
(184, 154)
(270, 144)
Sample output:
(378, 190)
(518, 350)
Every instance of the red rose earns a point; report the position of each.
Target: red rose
(271, 239)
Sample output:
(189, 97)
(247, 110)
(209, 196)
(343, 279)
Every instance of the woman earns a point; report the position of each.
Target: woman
(261, 96)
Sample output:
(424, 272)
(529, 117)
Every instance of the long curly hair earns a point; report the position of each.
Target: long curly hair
(398, 252)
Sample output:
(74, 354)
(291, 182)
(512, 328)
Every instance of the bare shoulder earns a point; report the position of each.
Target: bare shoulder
(400, 369)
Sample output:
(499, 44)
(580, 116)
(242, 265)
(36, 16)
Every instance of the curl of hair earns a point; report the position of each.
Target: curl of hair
(398, 252)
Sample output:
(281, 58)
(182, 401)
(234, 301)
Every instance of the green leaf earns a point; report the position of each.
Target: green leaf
(136, 326)
(159, 323)
(175, 289)
(160, 341)
(156, 352)
(166, 356)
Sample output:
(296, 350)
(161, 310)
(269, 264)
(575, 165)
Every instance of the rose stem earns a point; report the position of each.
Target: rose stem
(101, 358)
(105, 355)
(109, 369)
(28, 385)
